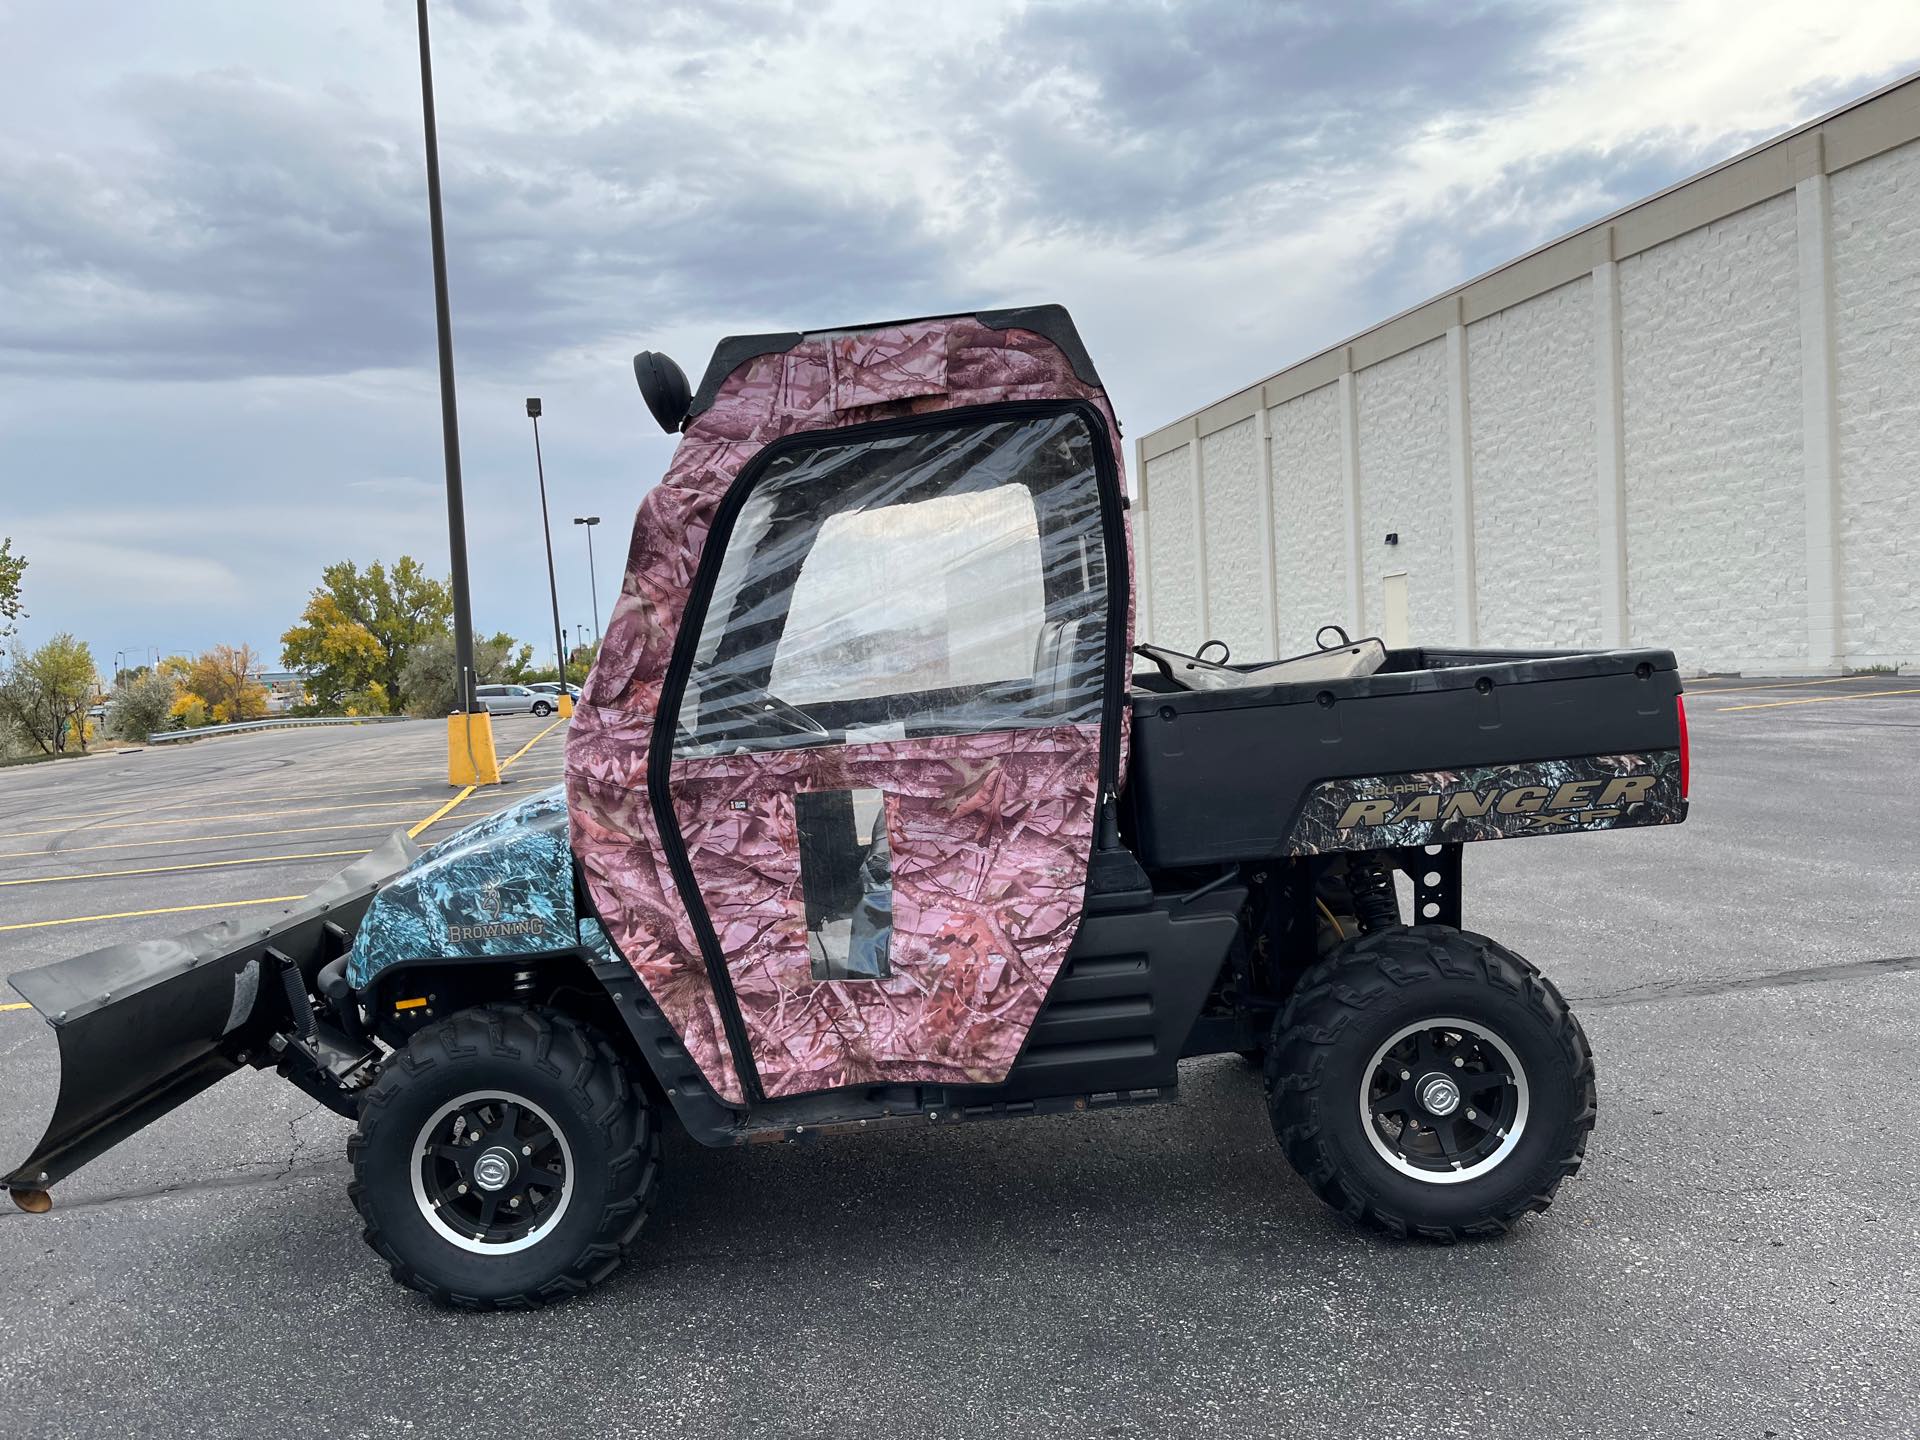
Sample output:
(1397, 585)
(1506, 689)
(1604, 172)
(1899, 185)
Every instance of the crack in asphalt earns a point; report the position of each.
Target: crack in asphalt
(1651, 992)
(232, 1180)
(1654, 990)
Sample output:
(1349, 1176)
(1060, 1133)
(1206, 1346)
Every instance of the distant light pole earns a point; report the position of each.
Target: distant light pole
(546, 529)
(590, 521)
(466, 698)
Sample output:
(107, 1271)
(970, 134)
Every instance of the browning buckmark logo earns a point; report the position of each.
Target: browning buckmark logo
(492, 926)
(1600, 792)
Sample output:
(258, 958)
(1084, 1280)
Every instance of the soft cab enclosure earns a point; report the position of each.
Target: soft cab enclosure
(835, 786)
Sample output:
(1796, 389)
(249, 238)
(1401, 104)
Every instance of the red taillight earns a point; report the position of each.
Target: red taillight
(1686, 750)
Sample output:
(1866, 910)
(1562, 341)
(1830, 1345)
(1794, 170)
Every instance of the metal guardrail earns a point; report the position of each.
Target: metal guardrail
(167, 737)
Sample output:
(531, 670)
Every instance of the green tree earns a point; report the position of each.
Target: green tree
(142, 703)
(429, 676)
(223, 678)
(516, 661)
(360, 627)
(581, 661)
(12, 568)
(44, 695)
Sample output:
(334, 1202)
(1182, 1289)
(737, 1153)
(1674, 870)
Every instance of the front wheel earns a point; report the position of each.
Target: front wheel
(1428, 1081)
(503, 1160)
(542, 709)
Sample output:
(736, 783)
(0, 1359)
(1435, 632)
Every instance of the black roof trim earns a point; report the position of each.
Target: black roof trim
(729, 355)
(1050, 321)
(1053, 322)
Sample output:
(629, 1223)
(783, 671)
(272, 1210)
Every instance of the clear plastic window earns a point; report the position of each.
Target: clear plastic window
(934, 581)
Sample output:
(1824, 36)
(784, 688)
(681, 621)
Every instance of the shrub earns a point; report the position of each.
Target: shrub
(141, 706)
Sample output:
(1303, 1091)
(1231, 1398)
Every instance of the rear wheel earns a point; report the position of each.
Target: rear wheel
(1428, 1081)
(503, 1160)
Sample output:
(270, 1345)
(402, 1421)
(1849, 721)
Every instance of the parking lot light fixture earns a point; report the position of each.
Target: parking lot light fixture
(471, 758)
(553, 587)
(590, 521)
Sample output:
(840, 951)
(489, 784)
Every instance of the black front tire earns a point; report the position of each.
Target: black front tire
(1323, 1056)
(552, 1066)
(541, 709)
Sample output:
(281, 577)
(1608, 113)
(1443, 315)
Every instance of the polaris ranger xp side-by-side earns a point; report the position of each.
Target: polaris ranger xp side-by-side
(870, 818)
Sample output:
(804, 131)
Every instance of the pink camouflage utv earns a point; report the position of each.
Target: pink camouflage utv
(844, 841)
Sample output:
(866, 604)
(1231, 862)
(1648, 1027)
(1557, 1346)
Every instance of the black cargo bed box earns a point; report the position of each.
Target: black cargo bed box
(1220, 775)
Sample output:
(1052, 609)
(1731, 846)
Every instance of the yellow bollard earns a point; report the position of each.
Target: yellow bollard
(470, 755)
(566, 705)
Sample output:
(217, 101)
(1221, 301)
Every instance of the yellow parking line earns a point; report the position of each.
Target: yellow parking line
(17, 1005)
(173, 869)
(531, 743)
(441, 813)
(45, 854)
(271, 795)
(1781, 685)
(162, 910)
(1817, 700)
(448, 808)
(267, 900)
(208, 819)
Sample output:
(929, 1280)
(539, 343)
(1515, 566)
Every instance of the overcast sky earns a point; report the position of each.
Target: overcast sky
(216, 323)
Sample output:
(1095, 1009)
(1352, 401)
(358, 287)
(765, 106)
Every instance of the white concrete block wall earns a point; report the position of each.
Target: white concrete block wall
(1876, 306)
(1530, 395)
(1406, 488)
(1309, 510)
(1176, 604)
(1696, 426)
(1710, 392)
(1236, 579)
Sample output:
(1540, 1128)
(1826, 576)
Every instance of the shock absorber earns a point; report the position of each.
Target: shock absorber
(1370, 882)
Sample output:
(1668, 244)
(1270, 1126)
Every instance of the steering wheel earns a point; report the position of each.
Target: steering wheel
(751, 700)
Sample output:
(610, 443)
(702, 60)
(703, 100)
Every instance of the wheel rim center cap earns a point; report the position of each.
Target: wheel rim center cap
(1439, 1095)
(494, 1169)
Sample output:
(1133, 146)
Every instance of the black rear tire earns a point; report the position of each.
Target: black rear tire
(551, 1069)
(1327, 1050)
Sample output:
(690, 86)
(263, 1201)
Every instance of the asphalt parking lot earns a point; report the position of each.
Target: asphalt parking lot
(1739, 1257)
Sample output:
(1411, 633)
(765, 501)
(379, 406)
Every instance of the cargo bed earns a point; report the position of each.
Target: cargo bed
(1460, 742)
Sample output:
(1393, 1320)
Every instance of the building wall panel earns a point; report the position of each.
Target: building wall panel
(1530, 397)
(1406, 487)
(1876, 321)
(1237, 599)
(1710, 390)
(1175, 542)
(1310, 566)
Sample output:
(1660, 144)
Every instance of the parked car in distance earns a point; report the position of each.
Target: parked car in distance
(515, 700)
(552, 687)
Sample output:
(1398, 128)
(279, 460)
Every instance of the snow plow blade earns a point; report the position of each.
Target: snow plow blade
(145, 1026)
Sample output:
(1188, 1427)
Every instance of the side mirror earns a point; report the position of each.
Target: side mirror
(663, 385)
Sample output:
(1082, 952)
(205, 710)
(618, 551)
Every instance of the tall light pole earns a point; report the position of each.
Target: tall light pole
(553, 588)
(590, 521)
(470, 753)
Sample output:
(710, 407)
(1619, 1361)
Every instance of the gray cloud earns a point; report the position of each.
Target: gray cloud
(1189, 120)
(266, 232)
